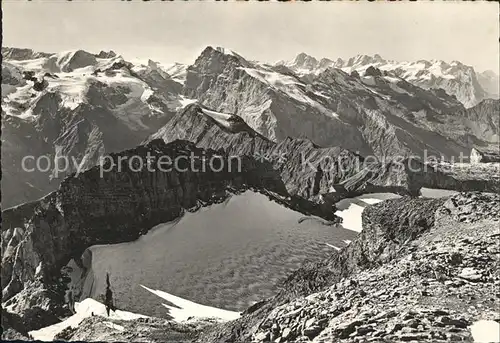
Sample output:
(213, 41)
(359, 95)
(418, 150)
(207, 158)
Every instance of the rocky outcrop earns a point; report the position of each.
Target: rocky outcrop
(490, 83)
(482, 120)
(477, 156)
(421, 270)
(39, 155)
(12, 326)
(150, 329)
(372, 71)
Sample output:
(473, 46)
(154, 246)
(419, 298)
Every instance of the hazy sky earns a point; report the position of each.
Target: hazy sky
(178, 31)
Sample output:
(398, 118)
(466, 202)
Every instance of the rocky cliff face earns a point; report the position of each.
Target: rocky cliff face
(483, 122)
(421, 269)
(490, 83)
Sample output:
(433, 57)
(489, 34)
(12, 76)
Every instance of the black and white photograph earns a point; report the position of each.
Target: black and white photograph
(250, 171)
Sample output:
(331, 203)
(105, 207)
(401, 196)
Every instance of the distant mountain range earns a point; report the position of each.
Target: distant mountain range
(83, 105)
(456, 78)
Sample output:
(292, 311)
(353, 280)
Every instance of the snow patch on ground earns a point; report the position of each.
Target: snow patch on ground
(226, 51)
(350, 210)
(114, 326)
(333, 246)
(351, 217)
(287, 85)
(182, 309)
(135, 106)
(11, 101)
(221, 118)
(392, 79)
(33, 64)
(84, 310)
(272, 78)
(146, 94)
(485, 331)
(368, 80)
(177, 71)
(436, 193)
(227, 255)
(186, 101)
(38, 269)
(72, 87)
(372, 201)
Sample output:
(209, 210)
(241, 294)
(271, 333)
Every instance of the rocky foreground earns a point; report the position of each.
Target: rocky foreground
(414, 257)
(426, 274)
(422, 270)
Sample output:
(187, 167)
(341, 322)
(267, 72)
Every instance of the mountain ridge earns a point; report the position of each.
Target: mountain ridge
(311, 171)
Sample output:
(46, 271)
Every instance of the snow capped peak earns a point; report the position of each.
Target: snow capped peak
(363, 60)
(490, 82)
(304, 64)
(177, 71)
(489, 73)
(325, 63)
(426, 63)
(220, 57)
(220, 52)
(226, 51)
(304, 61)
(106, 54)
(303, 57)
(21, 54)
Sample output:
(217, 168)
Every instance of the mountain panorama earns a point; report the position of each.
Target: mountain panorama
(232, 200)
